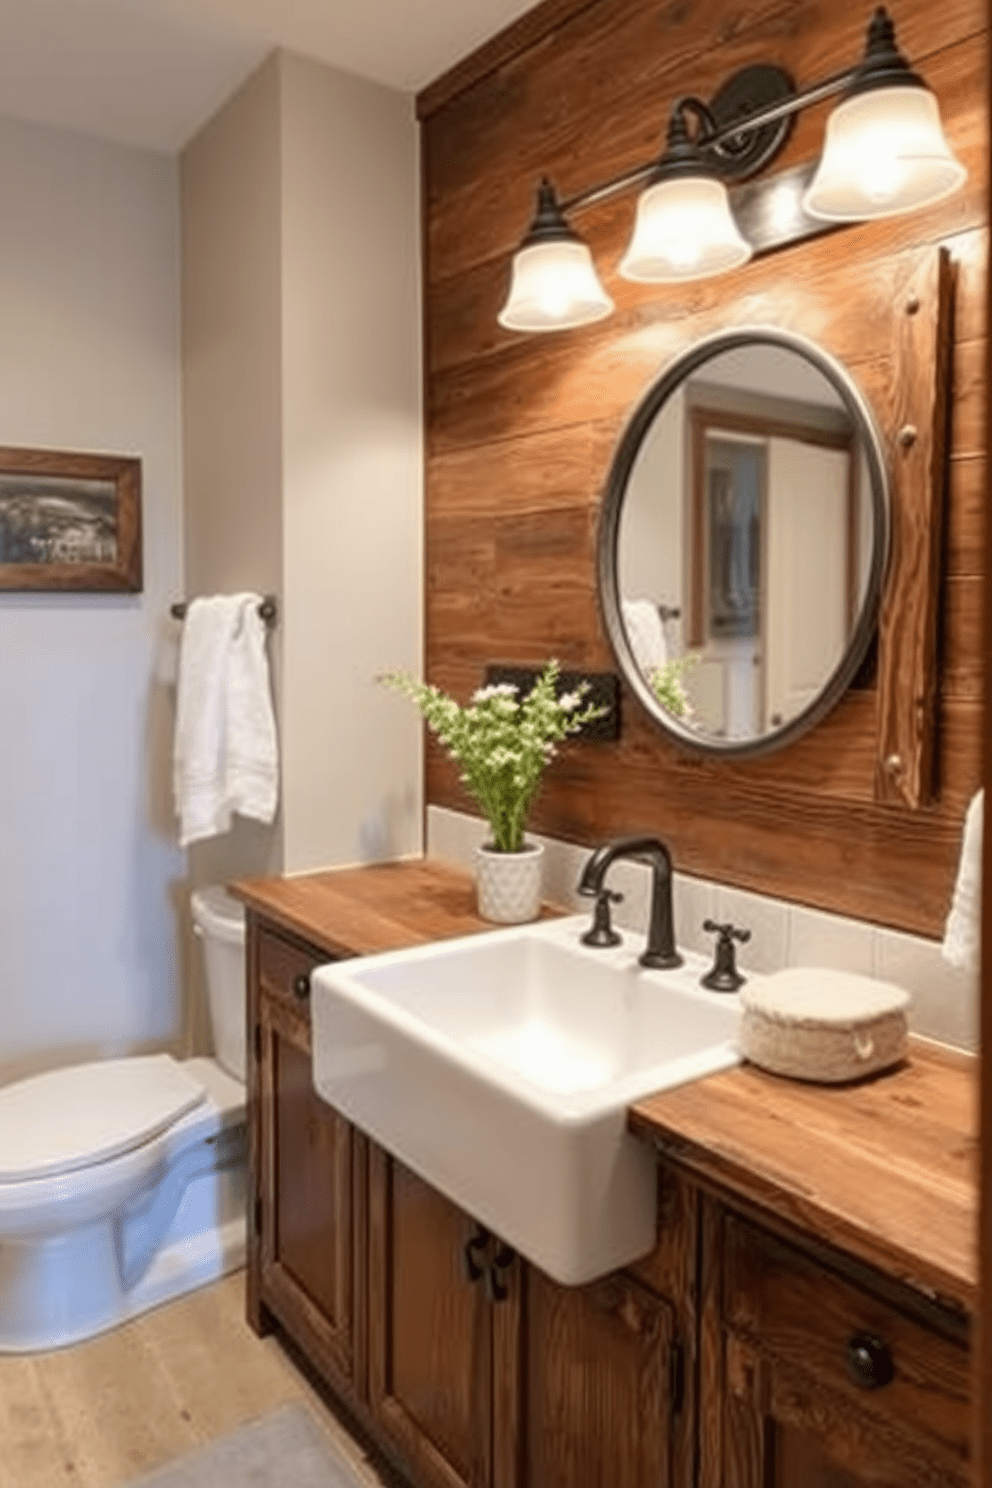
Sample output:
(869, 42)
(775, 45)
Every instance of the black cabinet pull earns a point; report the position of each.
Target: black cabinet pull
(868, 1362)
(301, 985)
(473, 1256)
(497, 1289)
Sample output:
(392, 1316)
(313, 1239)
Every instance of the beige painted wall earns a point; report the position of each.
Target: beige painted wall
(302, 415)
(231, 364)
(89, 360)
(352, 533)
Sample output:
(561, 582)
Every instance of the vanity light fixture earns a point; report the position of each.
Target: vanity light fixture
(684, 228)
(885, 150)
(885, 153)
(554, 282)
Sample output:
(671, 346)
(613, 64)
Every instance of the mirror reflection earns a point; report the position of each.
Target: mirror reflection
(747, 505)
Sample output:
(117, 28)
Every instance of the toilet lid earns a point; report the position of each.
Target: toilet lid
(72, 1118)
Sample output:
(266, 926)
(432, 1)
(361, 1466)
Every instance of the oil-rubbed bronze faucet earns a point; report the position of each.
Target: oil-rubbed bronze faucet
(660, 950)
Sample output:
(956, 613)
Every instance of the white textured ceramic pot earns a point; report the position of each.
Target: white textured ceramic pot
(508, 885)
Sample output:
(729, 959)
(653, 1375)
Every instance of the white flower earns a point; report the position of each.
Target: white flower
(501, 743)
(495, 690)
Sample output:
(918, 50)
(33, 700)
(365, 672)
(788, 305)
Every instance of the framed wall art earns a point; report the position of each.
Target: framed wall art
(69, 521)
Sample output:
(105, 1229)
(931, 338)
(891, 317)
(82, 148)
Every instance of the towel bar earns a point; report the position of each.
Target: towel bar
(268, 609)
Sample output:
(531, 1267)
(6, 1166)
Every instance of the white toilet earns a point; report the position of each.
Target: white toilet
(123, 1182)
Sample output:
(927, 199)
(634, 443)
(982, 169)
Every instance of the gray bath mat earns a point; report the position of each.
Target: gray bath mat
(284, 1450)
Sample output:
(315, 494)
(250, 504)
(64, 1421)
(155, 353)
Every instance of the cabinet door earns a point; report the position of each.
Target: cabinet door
(599, 1381)
(785, 1429)
(430, 1331)
(305, 1212)
(822, 1381)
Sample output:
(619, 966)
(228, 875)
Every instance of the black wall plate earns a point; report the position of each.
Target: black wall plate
(604, 689)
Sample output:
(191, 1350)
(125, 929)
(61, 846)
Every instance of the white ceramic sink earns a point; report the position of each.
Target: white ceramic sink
(500, 1067)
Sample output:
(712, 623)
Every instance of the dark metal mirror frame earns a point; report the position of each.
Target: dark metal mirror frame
(607, 571)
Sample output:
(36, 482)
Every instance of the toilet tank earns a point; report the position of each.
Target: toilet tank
(219, 923)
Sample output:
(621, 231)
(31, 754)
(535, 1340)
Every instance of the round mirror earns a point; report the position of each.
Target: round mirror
(743, 541)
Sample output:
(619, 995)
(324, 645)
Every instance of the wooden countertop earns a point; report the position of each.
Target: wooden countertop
(886, 1170)
(378, 907)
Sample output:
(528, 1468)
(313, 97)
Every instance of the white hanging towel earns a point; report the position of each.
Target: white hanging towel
(963, 932)
(225, 758)
(645, 633)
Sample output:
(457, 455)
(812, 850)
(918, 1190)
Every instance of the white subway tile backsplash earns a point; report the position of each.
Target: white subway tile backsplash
(818, 939)
(945, 1000)
(768, 922)
(694, 900)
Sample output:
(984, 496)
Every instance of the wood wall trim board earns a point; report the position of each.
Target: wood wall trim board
(907, 645)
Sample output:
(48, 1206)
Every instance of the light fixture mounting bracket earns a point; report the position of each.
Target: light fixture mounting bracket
(744, 95)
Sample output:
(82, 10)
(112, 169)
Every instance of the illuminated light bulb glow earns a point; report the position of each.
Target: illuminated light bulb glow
(885, 153)
(684, 230)
(554, 286)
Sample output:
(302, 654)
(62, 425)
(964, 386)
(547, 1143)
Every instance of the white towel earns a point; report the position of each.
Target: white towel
(963, 932)
(645, 633)
(225, 757)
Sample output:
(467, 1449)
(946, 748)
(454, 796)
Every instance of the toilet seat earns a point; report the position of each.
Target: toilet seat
(153, 1208)
(67, 1119)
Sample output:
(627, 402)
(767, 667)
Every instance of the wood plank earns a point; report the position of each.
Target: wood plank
(840, 856)
(967, 500)
(461, 311)
(885, 1169)
(84, 1416)
(907, 631)
(518, 36)
(963, 662)
(548, 469)
(968, 392)
(379, 907)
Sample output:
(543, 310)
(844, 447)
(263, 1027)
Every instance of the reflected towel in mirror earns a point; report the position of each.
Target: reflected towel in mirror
(645, 633)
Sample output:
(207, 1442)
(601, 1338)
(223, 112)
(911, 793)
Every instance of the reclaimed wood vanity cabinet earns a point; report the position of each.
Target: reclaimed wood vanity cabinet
(483, 1371)
(822, 1379)
(306, 1168)
(743, 1352)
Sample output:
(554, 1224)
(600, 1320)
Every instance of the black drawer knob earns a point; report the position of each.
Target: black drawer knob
(301, 985)
(868, 1362)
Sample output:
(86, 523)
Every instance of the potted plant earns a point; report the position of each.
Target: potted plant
(502, 744)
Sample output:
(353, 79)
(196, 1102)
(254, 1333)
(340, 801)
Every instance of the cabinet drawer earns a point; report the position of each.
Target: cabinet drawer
(800, 1313)
(284, 968)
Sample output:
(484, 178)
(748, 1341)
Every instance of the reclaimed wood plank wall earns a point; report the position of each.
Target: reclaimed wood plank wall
(521, 430)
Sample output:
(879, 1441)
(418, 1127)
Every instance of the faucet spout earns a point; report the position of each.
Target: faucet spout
(660, 950)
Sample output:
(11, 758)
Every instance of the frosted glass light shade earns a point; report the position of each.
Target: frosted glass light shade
(554, 286)
(885, 152)
(684, 230)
